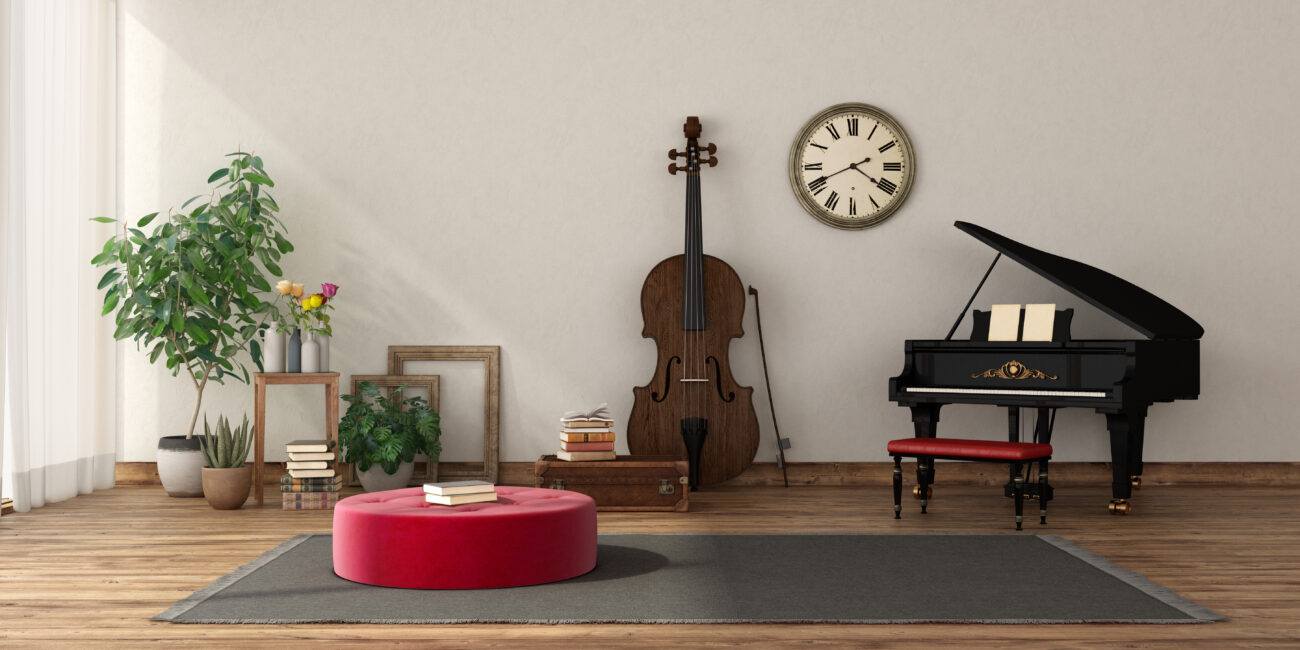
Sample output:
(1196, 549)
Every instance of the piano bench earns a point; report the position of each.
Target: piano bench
(926, 450)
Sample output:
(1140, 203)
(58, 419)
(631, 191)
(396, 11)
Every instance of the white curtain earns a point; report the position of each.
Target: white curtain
(59, 415)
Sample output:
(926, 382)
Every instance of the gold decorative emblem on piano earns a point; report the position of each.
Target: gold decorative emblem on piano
(1013, 370)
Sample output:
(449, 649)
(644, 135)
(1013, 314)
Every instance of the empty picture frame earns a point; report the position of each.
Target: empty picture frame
(427, 382)
(490, 355)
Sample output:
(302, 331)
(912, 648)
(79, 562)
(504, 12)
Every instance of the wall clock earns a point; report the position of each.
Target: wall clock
(852, 166)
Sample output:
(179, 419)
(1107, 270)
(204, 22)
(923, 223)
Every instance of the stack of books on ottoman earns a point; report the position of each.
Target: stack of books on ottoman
(586, 435)
(311, 482)
(455, 493)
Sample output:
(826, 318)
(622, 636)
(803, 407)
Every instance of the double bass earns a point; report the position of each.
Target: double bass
(692, 305)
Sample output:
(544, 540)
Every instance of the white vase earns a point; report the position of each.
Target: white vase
(273, 350)
(324, 341)
(310, 353)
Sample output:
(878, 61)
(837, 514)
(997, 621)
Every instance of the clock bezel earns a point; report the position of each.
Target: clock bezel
(816, 209)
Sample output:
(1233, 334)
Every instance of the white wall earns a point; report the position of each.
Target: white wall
(494, 173)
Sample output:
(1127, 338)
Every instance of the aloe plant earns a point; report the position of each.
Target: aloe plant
(228, 448)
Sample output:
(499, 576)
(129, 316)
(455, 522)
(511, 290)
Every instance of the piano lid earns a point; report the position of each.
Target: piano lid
(1127, 302)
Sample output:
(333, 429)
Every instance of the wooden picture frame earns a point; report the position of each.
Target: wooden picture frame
(490, 355)
(432, 383)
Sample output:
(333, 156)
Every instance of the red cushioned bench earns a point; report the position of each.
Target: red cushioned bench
(926, 450)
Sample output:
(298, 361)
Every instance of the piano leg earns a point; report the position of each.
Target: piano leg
(1013, 435)
(925, 421)
(1120, 445)
(1137, 432)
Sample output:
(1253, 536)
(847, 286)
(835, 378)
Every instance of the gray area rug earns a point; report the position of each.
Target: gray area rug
(689, 578)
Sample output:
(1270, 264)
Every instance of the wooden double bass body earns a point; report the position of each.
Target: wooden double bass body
(692, 305)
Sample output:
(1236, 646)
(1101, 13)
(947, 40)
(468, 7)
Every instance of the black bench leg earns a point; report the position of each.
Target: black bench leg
(923, 475)
(1020, 495)
(898, 487)
(1042, 492)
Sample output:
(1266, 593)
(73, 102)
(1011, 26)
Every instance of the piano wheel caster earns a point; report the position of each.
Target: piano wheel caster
(1120, 507)
(1136, 481)
(916, 492)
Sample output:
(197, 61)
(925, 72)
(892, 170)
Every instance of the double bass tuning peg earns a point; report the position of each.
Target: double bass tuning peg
(674, 154)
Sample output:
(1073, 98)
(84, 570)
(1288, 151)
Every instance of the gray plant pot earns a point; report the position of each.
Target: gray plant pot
(180, 466)
(375, 480)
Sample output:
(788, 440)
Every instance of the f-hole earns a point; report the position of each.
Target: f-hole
(717, 380)
(668, 379)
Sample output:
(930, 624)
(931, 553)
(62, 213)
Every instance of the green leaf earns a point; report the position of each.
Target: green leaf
(257, 162)
(106, 257)
(219, 174)
(196, 293)
(283, 244)
(196, 260)
(109, 278)
(111, 299)
(191, 200)
(171, 242)
(146, 219)
(273, 268)
(259, 179)
(104, 219)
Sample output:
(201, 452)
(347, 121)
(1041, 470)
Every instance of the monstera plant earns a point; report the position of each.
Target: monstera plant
(190, 291)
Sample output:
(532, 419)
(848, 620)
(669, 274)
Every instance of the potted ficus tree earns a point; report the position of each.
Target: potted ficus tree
(189, 292)
(381, 434)
(226, 477)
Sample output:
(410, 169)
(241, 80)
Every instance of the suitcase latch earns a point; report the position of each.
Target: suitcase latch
(665, 487)
(558, 484)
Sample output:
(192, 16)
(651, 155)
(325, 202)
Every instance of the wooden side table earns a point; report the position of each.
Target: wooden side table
(263, 379)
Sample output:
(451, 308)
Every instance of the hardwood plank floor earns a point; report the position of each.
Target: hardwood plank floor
(91, 571)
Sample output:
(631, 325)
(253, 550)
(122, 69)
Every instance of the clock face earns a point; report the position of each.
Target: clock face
(851, 166)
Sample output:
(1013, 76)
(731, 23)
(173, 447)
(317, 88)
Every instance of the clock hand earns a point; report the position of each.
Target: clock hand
(852, 166)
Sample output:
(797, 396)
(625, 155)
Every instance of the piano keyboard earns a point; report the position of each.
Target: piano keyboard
(1008, 391)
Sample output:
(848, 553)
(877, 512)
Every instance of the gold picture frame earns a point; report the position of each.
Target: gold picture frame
(431, 383)
(490, 355)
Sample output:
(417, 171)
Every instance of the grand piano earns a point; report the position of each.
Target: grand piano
(1119, 379)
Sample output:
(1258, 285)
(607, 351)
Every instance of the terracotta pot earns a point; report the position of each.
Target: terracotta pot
(227, 489)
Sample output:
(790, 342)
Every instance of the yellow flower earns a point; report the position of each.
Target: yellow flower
(295, 290)
(306, 304)
(317, 300)
(283, 286)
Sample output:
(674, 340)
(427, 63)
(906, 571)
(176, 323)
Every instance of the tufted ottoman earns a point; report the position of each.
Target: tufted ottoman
(529, 536)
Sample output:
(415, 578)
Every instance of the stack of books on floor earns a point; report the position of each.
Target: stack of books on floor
(455, 493)
(586, 436)
(311, 482)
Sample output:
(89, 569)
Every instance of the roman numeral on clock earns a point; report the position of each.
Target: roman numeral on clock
(873, 131)
(891, 167)
(814, 144)
(886, 186)
(835, 135)
(888, 146)
(812, 167)
(873, 201)
(832, 200)
(853, 126)
(853, 207)
(817, 185)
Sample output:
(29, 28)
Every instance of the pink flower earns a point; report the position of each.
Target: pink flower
(329, 289)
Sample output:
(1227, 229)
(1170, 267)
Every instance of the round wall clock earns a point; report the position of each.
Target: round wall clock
(852, 166)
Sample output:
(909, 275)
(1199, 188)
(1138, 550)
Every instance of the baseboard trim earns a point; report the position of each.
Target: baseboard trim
(1064, 474)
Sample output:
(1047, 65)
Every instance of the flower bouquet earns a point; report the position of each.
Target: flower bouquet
(309, 321)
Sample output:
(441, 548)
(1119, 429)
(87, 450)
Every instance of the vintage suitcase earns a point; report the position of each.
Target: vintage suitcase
(626, 483)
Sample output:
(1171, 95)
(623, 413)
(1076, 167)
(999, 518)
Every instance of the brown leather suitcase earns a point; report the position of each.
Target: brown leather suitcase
(626, 483)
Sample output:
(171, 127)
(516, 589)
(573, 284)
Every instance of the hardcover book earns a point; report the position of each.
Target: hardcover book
(325, 480)
(460, 499)
(587, 446)
(459, 487)
(584, 455)
(324, 487)
(588, 437)
(311, 455)
(311, 473)
(309, 445)
(307, 464)
(587, 430)
(586, 424)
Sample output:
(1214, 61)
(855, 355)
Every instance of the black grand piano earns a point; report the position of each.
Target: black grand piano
(1119, 379)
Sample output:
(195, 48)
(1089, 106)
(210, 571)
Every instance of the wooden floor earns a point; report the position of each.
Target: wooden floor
(91, 571)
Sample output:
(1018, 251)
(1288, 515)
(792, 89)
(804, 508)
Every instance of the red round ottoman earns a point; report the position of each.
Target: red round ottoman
(529, 536)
